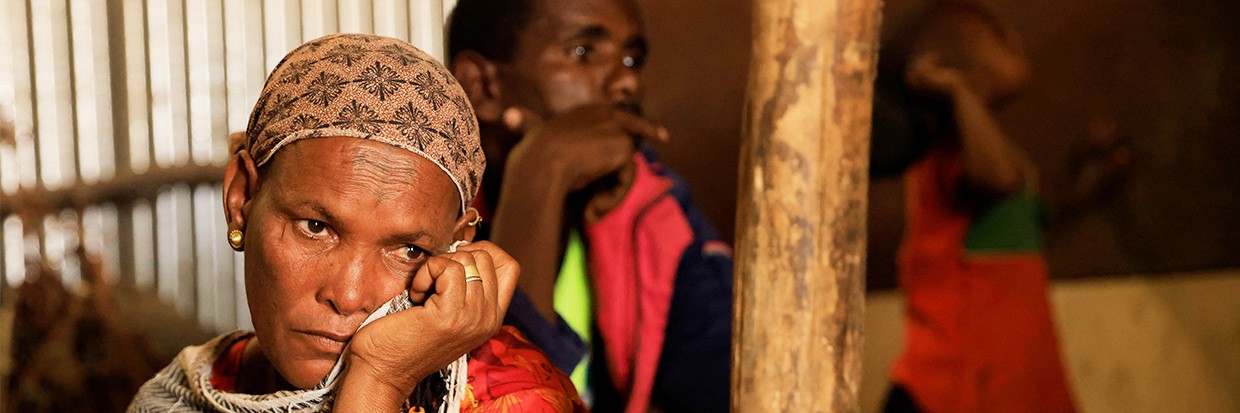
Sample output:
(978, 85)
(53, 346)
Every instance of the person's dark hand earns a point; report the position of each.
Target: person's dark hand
(454, 317)
(607, 194)
(582, 146)
(926, 74)
(1106, 159)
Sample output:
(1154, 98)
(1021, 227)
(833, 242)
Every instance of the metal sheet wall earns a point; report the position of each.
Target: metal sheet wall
(133, 94)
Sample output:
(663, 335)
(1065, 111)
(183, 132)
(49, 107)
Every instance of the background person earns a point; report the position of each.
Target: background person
(626, 285)
(979, 335)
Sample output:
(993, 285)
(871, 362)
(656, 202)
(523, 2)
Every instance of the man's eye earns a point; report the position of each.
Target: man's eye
(582, 52)
(635, 62)
(312, 227)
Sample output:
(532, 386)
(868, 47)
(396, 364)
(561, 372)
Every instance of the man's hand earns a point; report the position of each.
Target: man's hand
(554, 158)
(583, 145)
(391, 355)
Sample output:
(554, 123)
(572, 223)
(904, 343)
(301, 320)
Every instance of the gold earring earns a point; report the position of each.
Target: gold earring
(236, 239)
(477, 217)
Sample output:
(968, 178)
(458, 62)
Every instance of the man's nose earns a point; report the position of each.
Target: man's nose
(624, 84)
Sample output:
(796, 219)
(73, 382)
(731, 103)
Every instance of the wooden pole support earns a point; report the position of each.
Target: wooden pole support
(799, 300)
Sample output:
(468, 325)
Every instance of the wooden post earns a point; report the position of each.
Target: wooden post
(801, 214)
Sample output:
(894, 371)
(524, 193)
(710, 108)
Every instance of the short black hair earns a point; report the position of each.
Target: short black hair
(489, 27)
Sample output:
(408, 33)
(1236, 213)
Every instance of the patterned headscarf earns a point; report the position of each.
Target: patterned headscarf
(370, 87)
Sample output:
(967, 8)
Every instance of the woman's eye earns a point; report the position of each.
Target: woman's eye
(413, 253)
(312, 227)
(406, 259)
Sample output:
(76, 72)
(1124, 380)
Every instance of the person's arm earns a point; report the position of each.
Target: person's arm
(991, 164)
(529, 222)
(362, 389)
(1092, 173)
(553, 159)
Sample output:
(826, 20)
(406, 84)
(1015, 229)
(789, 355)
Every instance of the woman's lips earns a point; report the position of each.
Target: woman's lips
(328, 342)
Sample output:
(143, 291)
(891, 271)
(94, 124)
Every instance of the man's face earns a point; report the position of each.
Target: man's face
(337, 228)
(577, 52)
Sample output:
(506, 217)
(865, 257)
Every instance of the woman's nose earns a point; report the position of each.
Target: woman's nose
(345, 288)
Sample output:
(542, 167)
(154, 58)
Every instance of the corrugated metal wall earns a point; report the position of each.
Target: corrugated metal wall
(120, 113)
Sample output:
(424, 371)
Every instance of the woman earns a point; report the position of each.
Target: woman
(350, 189)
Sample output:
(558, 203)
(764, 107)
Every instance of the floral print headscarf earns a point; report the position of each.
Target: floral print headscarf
(369, 87)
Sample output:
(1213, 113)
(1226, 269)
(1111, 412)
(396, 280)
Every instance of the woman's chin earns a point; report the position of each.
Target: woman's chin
(305, 374)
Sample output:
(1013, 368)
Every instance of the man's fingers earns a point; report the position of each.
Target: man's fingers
(520, 120)
(643, 128)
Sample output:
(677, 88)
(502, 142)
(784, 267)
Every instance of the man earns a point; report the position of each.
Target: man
(625, 285)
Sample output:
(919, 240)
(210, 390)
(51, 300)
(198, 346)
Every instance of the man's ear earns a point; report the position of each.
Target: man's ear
(240, 186)
(467, 227)
(479, 77)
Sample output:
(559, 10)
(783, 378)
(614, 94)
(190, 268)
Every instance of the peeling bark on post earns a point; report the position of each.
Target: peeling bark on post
(801, 221)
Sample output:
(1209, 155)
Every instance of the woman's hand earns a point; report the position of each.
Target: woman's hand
(387, 358)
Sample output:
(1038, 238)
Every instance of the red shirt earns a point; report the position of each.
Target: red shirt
(979, 335)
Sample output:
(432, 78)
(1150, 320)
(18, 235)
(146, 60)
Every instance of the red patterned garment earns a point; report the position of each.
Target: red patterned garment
(507, 374)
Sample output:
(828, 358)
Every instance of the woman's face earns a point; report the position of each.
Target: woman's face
(336, 228)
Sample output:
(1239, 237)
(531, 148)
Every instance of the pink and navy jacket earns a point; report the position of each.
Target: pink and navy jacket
(662, 282)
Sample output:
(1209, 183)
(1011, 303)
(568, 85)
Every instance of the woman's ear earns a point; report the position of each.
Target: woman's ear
(479, 77)
(467, 226)
(240, 186)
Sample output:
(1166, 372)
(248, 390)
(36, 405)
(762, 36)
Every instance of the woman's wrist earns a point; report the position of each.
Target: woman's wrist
(364, 388)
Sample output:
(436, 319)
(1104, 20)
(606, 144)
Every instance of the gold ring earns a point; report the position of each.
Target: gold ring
(471, 274)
